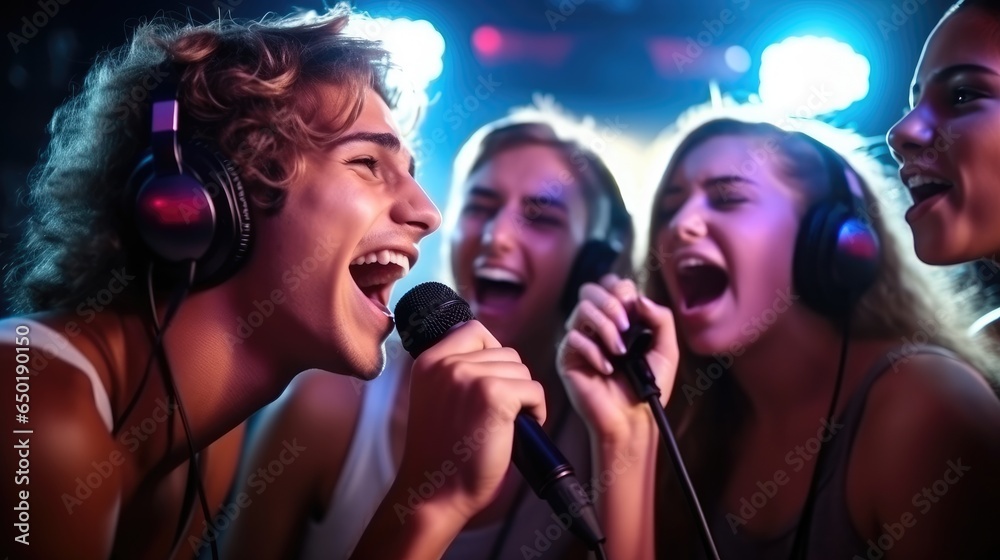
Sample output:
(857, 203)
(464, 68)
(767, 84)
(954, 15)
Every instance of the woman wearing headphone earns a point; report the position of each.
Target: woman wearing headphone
(526, 199)
(803, 328)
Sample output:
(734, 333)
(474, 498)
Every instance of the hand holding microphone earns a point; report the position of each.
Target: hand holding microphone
(599, 332)
(465, 393)
(618, 362)
(464, 387)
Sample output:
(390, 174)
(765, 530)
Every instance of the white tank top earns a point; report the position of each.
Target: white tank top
(48, 345)
(366, 475)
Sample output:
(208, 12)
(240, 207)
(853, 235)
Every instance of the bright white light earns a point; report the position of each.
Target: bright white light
(738, 59)
(416, 47)
(809, 76)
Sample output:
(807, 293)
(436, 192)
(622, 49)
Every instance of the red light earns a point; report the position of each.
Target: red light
(487, 40)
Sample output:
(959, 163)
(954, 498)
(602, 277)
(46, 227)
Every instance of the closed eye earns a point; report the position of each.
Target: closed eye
(729, 201)
(371, 163)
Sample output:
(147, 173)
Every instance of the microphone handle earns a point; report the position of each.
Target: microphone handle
(552, 478)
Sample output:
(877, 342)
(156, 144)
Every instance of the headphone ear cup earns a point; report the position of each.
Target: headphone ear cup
(836, 258)
(201, 214)
(595, 259)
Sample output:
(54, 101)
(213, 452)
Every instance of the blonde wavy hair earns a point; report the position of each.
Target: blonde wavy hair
(251, 89)
(909, 301)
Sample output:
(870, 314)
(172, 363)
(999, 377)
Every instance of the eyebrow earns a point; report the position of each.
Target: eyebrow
(720, 181)
(386, 140)
(947, 73)
(537, 200)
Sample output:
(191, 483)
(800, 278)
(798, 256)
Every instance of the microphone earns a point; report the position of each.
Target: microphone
(424, 315)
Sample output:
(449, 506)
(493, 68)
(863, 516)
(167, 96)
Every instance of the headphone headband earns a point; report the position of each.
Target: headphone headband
(187, 199)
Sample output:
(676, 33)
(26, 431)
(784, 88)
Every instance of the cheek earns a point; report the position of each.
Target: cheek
(763, 255)
(464, 248)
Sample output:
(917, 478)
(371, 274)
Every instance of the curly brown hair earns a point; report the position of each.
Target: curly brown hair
(252, 89)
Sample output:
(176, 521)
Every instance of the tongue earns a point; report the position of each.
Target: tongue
(498, 295)
(370, 276)
(702, 284)
(923, 192)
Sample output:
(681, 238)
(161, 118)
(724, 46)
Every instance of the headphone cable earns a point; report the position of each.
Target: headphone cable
(157, 350)
(800, 547)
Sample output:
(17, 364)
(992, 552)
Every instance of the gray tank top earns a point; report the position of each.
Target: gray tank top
(832, 534)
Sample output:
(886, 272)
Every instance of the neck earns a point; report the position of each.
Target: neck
(219, 381)
(791, 371)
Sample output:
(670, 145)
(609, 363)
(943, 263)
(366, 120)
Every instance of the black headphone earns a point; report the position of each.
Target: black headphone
(187, 199)
(599, 255)
(837, 251)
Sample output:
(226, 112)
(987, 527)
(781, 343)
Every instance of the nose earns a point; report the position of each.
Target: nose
(911, 135)
(415, 209)
(688, 224)
(501, 231)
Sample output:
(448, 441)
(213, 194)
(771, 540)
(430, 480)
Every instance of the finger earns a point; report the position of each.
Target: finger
(470, 371)
(661, 319)
(503, 354)
(591, 321)
(622, 288)
(576, 346)
(468, 337)
(607, 303)
(510, 396)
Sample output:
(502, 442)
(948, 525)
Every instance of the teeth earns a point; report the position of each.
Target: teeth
(689, 262)
(497, 275)
(921, 180)
(385, 256)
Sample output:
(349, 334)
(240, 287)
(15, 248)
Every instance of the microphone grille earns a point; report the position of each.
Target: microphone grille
(425, 313)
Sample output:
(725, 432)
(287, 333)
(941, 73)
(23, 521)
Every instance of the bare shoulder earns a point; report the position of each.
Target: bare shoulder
(73, 468)
(940, 395)
(927, 451)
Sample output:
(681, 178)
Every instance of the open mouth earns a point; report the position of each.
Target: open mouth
(376, 272)
(700, 282)
(497, 288)
(923, 188)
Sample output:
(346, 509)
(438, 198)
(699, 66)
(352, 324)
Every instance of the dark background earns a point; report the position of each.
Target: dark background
(594, 62)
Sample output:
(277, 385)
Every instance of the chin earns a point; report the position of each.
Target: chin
(708, 344)
(935, 254)
(365, 369)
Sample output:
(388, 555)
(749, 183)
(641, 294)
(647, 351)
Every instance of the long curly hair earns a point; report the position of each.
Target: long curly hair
(251, 89)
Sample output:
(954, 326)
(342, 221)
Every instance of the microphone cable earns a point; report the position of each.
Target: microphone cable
(638, 340)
